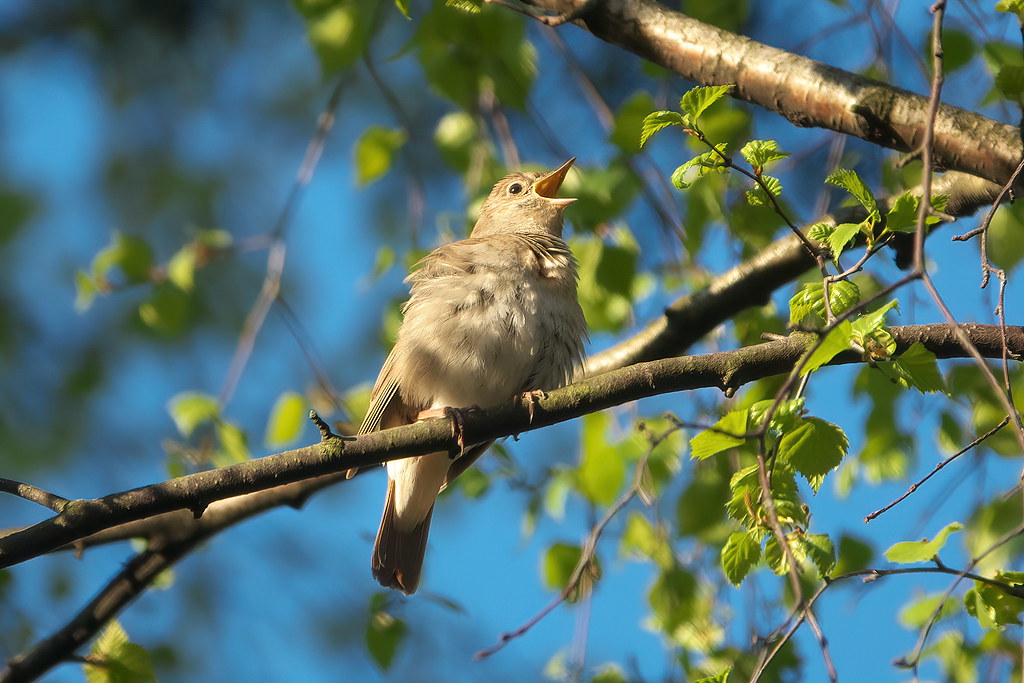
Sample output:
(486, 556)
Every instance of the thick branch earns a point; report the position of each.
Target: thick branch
(808, 93)
(725, 370)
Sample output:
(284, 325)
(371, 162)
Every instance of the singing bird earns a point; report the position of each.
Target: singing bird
(489, 319)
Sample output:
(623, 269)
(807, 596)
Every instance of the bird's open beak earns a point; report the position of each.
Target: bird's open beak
(547, 186)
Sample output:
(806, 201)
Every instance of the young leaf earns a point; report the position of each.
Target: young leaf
(835, 342)
(712, 441)
(375, 151)
(809, 301)
(992, 607)
(287, 418)
(759, 153)
(603, 468)
(902, 217)
(384, 634)
(114, 659)
(758, 197)
(814, 448)
(819, 232)
(740, 554)
(721, 677)
(841, 236)
(916, 367)
(190, 409)
(702, 165)
(820, 550)
(655, 121)
(851, 182)
(694, 102)
(560, 561)
(907, 552)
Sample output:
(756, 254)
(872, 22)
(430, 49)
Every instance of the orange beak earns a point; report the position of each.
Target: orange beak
(547, 186)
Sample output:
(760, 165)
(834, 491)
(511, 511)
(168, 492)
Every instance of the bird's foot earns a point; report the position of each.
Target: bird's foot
(458, 425)
(530, 398)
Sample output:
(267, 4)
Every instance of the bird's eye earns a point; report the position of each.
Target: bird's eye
(515, 188)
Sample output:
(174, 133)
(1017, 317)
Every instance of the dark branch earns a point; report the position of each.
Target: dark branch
(725, 370)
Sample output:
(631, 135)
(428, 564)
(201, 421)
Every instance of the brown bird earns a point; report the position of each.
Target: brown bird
(490, 318)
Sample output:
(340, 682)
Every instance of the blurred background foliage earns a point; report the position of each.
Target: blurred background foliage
(149, 150)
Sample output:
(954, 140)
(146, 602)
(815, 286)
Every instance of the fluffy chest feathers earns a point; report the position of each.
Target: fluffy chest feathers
(489, 318)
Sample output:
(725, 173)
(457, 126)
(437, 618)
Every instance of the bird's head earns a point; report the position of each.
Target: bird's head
(525, 202)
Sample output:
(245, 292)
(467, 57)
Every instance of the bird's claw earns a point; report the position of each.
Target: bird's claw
(530, 398)
(458, 425)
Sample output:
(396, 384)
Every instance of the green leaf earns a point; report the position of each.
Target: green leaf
(182, 267)
(191, 409)
(874, 321)
(603, 469)
(841, 236)
(916, 367)
(473, 483)
(820, 550)
(640, 538)
(814, 448)
(702, 164)
(113, 659)
(1010, 82)
(902, 217)
(775, 557)
(1011, 6)
(384, 634)
(694, 102)
(851, 182)
(469, 6)
(758, 196)
(338, 32)
(655, 121)
(457, 136)
(919, 612)
(673, 598)
(759, 153)
(721, 677)
(403, 7)
(560, 561)
(819, 232)
(993, 607)
(167, 311)
(908, 552)
(287, 418)
(713, 440)
(85, 291)
(629, 123)
(130, 254)
(740, 554)
(835, 342)
(375, 151)
(809, 300)
(233, 444)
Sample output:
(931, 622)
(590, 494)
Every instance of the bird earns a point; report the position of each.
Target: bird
(490, 318)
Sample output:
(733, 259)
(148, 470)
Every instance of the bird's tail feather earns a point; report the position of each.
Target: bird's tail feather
(398, 556)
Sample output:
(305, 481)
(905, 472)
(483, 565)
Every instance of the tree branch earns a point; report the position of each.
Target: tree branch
(724, 370)
(807, 92)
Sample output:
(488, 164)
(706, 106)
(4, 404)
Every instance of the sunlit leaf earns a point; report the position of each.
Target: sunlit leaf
(375, 151)
(695, 101)
(287, 418)
(741, 553)
(834, 343)
(907, 552)
(725, 434)
(384, 635)
(814, 448)
(114, 659)
(191, 409)
(655, 121)
(759, 153)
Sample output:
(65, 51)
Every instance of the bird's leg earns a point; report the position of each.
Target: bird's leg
(530, 398)
(458, 424)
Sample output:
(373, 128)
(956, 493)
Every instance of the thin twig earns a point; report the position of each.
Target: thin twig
(276, 257)
(33, 494)
(938, 467)
(589, 552)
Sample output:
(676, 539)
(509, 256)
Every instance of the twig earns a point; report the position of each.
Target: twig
(33, 494)
(276, 258)
(938, 467)
(589, 552)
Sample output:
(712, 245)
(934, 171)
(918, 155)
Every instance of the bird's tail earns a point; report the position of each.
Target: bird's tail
(398, 556)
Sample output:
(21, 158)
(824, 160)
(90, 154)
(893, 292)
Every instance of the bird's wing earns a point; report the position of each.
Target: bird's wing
(387, 409)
